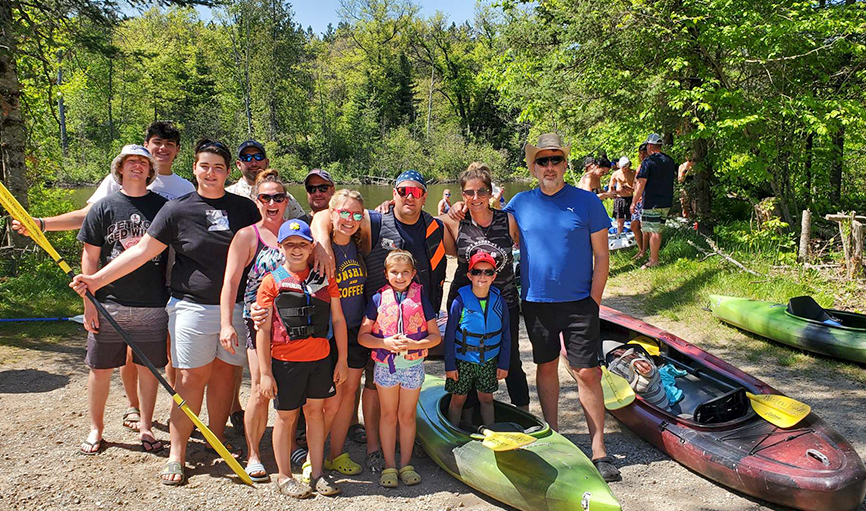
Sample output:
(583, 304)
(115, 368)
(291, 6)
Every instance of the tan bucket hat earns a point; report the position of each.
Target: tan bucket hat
(133, 150)
(547, 141)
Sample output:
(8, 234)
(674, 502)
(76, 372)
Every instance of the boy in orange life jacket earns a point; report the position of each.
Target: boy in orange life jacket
(399, 325)
(477, 335)
(293, 350)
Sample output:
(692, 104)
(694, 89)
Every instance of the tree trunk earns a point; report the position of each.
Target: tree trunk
(61, 108)
(810, 141)
(13, 132)
(805, 231)
(703, 175)
(110, 98)
(837, 153)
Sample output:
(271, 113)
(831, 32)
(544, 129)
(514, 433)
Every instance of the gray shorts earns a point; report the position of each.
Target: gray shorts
(195, 333)
(147, 327)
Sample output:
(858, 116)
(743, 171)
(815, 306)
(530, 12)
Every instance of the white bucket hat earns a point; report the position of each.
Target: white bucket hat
(133, 150)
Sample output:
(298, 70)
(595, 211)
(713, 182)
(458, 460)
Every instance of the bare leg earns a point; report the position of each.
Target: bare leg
(129, 377)
(620, 225)
(389, 400)
(370, 406)
(256, 415)
(147, 389)
(236, 398)
(284, 428)
(357, 401)
(220, 391)
(98, 385)
(455, 409)
(655, 244)
(340, 427)
(638, 238)
(169, 369)
(592, 402)
(315, 416)
(190, 384)
(486, 400)
(406, 416)
(547, 381)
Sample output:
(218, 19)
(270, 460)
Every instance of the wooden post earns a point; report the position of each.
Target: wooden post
(805, 231)
(851, 229)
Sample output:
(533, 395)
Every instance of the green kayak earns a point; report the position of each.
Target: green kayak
(550, 474)
(802, 324)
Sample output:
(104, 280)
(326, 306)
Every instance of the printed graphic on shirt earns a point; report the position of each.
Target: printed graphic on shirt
(125, 234)
(218, 219)
(499, 254)
(350, 278)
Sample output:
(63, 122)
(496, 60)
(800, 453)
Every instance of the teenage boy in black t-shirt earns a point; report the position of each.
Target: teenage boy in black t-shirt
(136, 301)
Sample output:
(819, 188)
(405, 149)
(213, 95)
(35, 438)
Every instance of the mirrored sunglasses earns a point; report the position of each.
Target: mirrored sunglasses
(345, 214)
(250, 157)
(414, 191)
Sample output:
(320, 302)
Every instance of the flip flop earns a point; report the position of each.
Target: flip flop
(388, 479)
(255, 471)
(91, 452)
(299, 456)
(409, 476)
(357, 433)
(607, 469)
(343, 464)
(127, 421)
(172, 468)
(294, 488)
(152, 447)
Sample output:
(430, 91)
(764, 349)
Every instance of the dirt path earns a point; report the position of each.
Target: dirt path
(43, 420)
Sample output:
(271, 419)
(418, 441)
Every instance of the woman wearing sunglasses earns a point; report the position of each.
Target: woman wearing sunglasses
(199, 227)
(445, 203)
(254, 253)
(484, 229)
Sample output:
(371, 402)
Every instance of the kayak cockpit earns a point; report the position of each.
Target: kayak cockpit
(508, 419)
(805, 307)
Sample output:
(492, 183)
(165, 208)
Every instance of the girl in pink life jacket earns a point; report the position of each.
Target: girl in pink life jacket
(399, 326)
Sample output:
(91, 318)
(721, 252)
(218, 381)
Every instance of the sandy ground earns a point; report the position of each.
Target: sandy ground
(43, 420)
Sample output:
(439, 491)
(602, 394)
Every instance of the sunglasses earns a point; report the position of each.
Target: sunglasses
(555, 160)
(345, 214)
(265, 198)
(250, 157)
(318, 188)
(204, 144)
(487, 273)
(414, 191)
(481, 192)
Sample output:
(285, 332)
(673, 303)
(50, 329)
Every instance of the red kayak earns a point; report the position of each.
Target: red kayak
(713, 431)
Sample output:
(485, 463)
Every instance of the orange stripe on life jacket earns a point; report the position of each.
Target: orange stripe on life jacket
(439, 254)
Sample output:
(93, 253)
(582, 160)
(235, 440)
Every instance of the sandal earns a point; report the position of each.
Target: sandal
(130, 423)
(172, 468)
(294, 488)
(299, 456)
(344, 465)
(388, 478)
(357, 433)
(237, 420)
(306, 472)
(236, 452)
(375, 461)
(257, 473)
(152, 446)
(607, 469)
(94, 447)
(325, 486)
(409, 476)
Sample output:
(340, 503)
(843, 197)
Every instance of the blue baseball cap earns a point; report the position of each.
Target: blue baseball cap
(251, 143)
(295, 227)
(411, 175)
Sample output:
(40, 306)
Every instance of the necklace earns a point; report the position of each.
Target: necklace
(344, 251)
(484, 230)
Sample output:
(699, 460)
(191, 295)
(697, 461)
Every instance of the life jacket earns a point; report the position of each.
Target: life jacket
(479, 332)
(302, 308)
(405, 317)
(389, 239)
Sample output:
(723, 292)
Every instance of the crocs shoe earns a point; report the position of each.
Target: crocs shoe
(388, 478)
(408, 475)
(324, 485)
(294, 488)
(344, 465)
(306, 472)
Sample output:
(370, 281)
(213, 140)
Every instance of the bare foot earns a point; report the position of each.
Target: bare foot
(149, 443)
(638, 256)
(649, 264)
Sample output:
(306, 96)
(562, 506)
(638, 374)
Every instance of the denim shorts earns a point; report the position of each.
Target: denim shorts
(409, 378)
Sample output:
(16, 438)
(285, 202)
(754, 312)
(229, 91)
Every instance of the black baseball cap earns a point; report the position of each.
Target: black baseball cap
(251, 143)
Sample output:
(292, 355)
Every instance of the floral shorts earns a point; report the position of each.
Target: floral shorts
(409, 378)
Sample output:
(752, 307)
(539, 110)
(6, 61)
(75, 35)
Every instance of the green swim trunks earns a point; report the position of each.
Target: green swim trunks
(652, 220)
(480, 376)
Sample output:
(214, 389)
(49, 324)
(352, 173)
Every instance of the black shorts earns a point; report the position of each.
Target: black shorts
(577, 321)
(146, 326)
(622, 207)
(359, 356)
(297, 381)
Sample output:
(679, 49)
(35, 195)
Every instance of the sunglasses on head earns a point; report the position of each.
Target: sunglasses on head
(555, 160)
(265, 198)
(414, 191)
(487, 273)
(318, 188)
(204, 144)
(345, 214)
(250, 157)
(481, 192)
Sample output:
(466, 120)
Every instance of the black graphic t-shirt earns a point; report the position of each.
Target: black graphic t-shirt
(200, 231)
(115, 224)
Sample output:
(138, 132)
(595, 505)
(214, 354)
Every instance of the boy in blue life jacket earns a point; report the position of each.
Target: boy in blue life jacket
(477, 340)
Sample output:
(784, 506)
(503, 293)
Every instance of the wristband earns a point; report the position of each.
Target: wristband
(41, 224)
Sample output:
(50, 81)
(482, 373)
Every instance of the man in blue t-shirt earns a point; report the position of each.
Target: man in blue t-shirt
(564, 267)
(655, 185)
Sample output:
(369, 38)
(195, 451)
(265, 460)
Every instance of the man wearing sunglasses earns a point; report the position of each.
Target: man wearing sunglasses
(251, 161)
(320, 189)
(564, 268)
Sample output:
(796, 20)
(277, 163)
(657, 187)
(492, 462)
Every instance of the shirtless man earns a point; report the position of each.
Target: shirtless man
(595, 169)
(622, 187)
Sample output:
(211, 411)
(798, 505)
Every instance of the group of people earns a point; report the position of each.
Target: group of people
(643, 197)
(209, 279)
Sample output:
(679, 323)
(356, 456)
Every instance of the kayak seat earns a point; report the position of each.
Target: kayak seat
(727, 407)
(504, 427)
(807, 308)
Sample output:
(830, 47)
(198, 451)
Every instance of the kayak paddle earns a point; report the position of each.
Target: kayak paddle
(501, 441)
(617, 392)
(779, 410)
(77, 319)
(19, 213)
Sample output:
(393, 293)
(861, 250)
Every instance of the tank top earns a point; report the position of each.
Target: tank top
(493, 239)
(265, 260)
(351, 275)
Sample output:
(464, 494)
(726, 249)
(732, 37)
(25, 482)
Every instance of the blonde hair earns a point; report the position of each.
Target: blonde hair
(338, 198)
(268, 176)
(399, 256)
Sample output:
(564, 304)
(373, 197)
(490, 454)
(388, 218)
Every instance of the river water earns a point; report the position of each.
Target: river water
(373, 194)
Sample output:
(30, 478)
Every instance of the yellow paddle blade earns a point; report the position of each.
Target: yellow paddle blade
(213, 441)
(499, 441)
(617, 392)
(648, 344)
(17, 212)
(778, 410)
